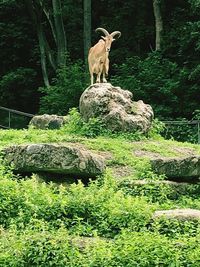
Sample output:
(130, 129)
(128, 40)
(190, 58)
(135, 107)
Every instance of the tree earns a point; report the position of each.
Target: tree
(87, 28)
(158, 23)
(49, 14)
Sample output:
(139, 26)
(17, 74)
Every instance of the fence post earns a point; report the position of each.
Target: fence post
(9, 119)
(10, 111)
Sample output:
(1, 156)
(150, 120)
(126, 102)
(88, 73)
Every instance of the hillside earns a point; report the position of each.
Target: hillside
(60, 220)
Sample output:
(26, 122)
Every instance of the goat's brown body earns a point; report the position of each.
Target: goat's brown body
(98, 61)
(98, 55)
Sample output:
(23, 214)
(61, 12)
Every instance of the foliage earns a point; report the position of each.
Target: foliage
(155, 79)
(96, 127)
(76, 125)
(107, 222)
(184, 130)
(44, 224)
(168, 81)
(81, 210)
(156, 130)
(65, 90)
(17, 84)
(157, 191)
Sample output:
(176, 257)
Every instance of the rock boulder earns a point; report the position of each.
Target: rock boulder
(115, 107)
(47, 121)
(182, 168)
(64, 159)
(179, 214)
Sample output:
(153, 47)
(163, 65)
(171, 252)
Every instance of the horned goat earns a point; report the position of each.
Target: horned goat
(98, 60)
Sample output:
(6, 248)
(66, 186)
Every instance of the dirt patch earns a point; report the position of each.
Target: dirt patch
(122, 171)
(184, 151)
(147, 154)
(178, 152)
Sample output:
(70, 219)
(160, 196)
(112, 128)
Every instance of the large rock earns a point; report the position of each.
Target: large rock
(182, 168)
(115, 107)
(54, 158)
(47, 121)
(179, 214)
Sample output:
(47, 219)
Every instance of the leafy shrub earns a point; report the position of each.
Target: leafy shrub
(38, 247)
(154, 192)
(174, 228)
(97, 127)
(155, 80)
(184, 130)
(14, 85)
(76, 125)
(82, 210)
(156, 130)
(144, 249)
(65, 91)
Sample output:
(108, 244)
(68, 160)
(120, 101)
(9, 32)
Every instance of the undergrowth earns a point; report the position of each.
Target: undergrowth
(94, 225)
(107, 222)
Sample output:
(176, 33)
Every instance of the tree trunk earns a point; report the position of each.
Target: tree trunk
(158, 23)
(36, 18)
(87, 29)
(60, 33)
(43, 59)
(54, 58)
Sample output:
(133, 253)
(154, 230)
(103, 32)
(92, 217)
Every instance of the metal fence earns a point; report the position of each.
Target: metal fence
(178, 130)
(8, 120)
(183, 130)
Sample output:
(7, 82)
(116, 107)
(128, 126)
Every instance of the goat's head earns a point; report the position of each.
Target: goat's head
(109, 37)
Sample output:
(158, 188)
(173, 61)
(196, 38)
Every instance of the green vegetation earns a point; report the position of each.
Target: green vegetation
(167, 79)
(107, 222)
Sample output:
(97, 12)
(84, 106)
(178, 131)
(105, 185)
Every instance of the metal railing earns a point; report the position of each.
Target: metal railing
(10, 112)
(168, 124)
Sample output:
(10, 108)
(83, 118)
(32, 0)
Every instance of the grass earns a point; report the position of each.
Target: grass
(39, 220)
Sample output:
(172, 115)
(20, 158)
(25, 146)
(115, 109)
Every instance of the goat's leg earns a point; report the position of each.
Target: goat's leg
(99, 73)
(92, 79)
(104, 78)
(91, 76)
(105, 70)
(98, 77)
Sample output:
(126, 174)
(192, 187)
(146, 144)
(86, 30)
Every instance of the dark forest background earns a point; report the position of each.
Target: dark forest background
(43, 46)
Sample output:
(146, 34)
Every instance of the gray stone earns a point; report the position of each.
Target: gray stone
(115, 107)
(180, 214)
(63, 159)
(47, 121)
(187, 167)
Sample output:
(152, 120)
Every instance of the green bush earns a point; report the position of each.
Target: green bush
(184, 131)
(38, 247)
(157, 81)
(158, 192)
(160, 82)
(81, 209)
(42, 248)
(97, 127)
(76, 125)
(65, 91)
(175, 228)
(14, 85)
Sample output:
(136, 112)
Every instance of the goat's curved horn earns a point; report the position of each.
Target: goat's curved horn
(102, 30)
(116, 33)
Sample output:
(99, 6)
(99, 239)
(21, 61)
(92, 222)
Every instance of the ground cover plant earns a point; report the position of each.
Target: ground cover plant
(106, 222)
